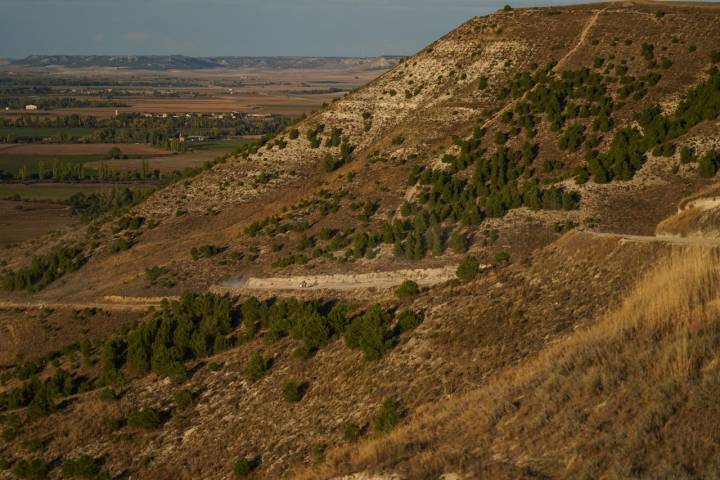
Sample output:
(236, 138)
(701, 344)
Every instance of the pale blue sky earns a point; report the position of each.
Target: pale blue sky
(231, 27)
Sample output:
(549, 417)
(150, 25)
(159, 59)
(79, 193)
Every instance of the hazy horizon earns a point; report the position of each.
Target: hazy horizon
(212, 28)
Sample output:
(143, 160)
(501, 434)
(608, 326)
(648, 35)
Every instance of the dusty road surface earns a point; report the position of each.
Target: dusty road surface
(423, 277)
(692, 241)
(113, 302)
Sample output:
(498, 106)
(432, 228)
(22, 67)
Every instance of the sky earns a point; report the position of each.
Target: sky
(231, 27)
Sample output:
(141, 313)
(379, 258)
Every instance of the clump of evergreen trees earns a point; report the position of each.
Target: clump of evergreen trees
(43, 270)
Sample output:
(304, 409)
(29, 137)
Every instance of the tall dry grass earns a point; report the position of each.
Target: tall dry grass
(625, 397)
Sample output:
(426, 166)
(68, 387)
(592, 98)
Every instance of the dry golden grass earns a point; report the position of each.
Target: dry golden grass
(635, 395)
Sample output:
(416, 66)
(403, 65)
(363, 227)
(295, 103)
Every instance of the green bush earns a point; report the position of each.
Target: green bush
(502, 257)
(35, 469)
(146, 418)
(205, 251)
(292, 392)
(369, 333)
(256, 367)
(352, 432)
(468, 269)
(408, 320)
(388, 417)
(408, 289)
(83, 466)
(44, 270)
(242, 467)
(107, 395)
(459, 242)
(184, 398)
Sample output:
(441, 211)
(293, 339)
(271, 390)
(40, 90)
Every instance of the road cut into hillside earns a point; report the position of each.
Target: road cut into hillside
(357, 281)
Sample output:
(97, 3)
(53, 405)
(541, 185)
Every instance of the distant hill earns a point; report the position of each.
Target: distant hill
(182, 62)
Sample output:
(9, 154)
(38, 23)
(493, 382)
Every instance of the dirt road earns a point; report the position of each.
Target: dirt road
(666, 239)
(423, 277)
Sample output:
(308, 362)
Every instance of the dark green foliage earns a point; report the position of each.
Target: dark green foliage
(129, 223)
(120, 245)
(647, 51)
(112, 360)
(573, 138)
(708, 164)
(388, 418)
(369, 333)
(468, 269)
(107, 395)
(181, 330)
(45, 270)
(352, 432)
(83, 466)
(205, 251)
(715, 56)
(40, 396)
(407, 289)
(294, 134)
(659, 13)
(502, 257)
(96, 204)
(459, 242)
(184, 398)
(293, 392)
(687, 155)
(408, 320)
(242, 467)
(146, 418)
(35, 469)
(256, 367)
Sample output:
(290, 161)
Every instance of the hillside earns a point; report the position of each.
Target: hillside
(565, 157)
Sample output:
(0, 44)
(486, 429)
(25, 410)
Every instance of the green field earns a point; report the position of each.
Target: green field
(12, 163)
(228, 145)
(44, 132)
(58, 191)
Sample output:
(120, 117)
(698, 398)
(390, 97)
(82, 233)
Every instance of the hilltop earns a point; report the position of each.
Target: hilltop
(564, 157)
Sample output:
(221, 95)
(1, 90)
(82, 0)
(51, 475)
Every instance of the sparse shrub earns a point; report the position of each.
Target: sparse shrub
(205, 251)
(502, 257)
(468, 269)
(83, 466)
(242, 467)
(35, 469)
(292, 392)
(408, 320)
(459, 242)
(184, 398)
(407, 289)
(146, 418)
(9, 434)
(256, 367)
(507, 8)
(120, 245)
(107, 395)
(352, 432)
(659, 13)
(715, 56)
(388, 417)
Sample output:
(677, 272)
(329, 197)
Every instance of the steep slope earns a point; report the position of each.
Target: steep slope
(504, 139)
(496, 72)
(628, 397)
